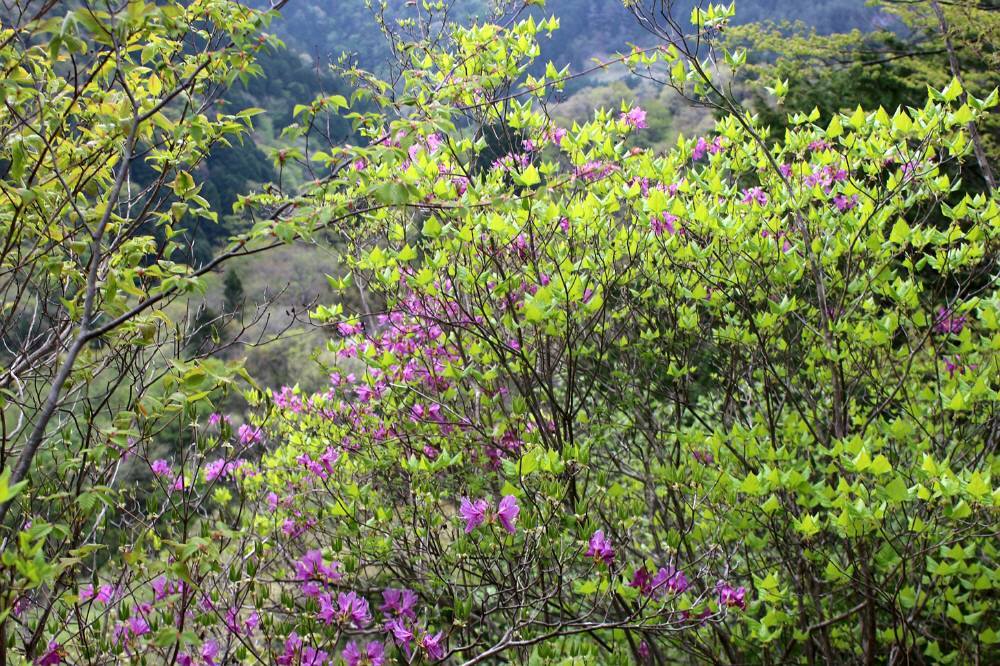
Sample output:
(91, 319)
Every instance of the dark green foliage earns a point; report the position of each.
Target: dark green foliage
(232, 293)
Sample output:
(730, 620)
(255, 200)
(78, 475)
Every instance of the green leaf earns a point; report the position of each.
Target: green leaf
(7, 491)
(529, 177)
(977, 486)
(862, 461)
(835, 129)
(897, 491)
(391, 194)
(880, 465)
(900, 232)
(432, 228)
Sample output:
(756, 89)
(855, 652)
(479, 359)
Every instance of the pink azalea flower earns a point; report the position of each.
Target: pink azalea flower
(250, 435)
(947, 322)
(432, 644)
(53, 655)
(845, 204)
(106, 594)
(311, 567)
(209, 650)
(353, 609)
(600, 548)
(755, 195)
(507, 512)
(635, 117)
(161, 468)
(399, 632)
(292, 646)
(313, 657)
(729, 596)
(399, 602)
(700, 147)
(666, 222)
(474, 513)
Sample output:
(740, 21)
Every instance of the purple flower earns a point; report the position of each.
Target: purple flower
(635, 117)
(956, 366)
(250, 435)
(845, 204)
(699, 149)
(313, 657)
(704, 457)
(729, 596)
(474, 513)
(399, 602)
(671, 580)
(399, 632)
(432, 644)
(947, 322)
(137, 626)
(644, 650)
(209, 650)
(507, 512)
(161, 468)
(595, 170)
(215, 469)
(53, 655)
(556, 136)
(641, 580)
(311, 567)
(352, 654)
(664, 223)
(600, 548)
(353, 609)
(755, 195)
(376, 653)
(292, 645)
(160, 588)
(105, 594)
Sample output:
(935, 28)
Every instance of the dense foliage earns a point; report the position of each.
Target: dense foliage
(735, 402)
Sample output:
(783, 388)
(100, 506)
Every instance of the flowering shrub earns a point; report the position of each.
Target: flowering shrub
(735, 401)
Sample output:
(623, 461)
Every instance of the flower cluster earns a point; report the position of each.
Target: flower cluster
(475, 513)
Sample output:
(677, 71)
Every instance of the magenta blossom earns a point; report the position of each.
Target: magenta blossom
(729, 596)
(755, 195)
(53, 655)
(400, 633)
(947, 322)
(507, 512)
(600, 548)
(209, 651)
(845, 204)
(161, 468)
(474, 513)
(292, 646)
(250, 435)
(313, 657)
(665, 222)
(372, 655)
(635, 117)
(399, 602)
(432, 644)
(353, 609)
